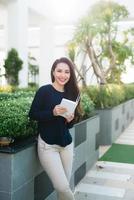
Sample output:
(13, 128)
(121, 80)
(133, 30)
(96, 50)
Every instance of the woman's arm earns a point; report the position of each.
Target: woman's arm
(70, 121)
(70, 124)
(36, 112)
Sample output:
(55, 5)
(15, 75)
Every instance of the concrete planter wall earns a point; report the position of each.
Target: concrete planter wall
(22, 177)
(114, 121)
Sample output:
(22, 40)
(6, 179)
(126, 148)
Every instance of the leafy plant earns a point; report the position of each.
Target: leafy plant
(16, 95)
(14, 118)
(129, 91)
(7, 88)
(106, 96)
(12, 65)
(87, 105)
(14, 106)
(33, 71)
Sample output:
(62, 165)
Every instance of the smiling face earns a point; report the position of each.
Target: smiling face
(61, 74)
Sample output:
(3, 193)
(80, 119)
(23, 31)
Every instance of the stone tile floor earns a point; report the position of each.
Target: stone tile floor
(109, 180)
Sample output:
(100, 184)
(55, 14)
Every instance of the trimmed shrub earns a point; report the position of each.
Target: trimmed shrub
(129, 91)
(106, 96)
(14, 106)
(17, 94)
(14, 119)
(7, 88)
(87, 105)
(27, 89)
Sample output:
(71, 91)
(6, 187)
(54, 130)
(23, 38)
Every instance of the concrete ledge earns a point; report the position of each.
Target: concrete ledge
(23, 177)
(114, 121)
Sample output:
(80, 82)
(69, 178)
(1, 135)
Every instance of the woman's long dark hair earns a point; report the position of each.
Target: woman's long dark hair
(71, 87)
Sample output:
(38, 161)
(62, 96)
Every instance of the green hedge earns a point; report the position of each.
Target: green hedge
(16, 95)
(110, 95)
(129, 91)
(14, 117)
(14, 107)
(87, 106)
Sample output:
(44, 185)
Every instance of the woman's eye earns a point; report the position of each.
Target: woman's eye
(67, 72)
(59, 71)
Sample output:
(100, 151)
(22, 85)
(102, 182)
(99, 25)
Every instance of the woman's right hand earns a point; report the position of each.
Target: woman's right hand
(58, 110)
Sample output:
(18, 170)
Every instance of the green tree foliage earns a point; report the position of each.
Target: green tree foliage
(12, 65)
(33, 70)
(96, 36)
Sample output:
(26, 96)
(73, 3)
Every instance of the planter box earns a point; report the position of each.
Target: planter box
(114, 121)
(86, 147)
(22, 177)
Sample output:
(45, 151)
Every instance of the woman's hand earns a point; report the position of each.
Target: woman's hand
(69, 117)
(58, 110)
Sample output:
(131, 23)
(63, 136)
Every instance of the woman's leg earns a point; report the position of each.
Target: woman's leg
(66, 155)
(51, 162)
(67, 159)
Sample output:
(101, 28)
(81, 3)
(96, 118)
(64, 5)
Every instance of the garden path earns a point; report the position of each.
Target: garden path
(109, 180)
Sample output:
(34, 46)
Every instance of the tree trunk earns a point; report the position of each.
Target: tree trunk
(97, 70)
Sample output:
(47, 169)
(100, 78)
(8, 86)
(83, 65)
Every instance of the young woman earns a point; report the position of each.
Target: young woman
(55, 146)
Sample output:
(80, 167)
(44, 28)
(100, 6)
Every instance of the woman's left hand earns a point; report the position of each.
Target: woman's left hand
(70, 117)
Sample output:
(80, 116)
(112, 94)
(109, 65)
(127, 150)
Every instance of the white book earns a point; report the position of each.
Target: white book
(69, 105)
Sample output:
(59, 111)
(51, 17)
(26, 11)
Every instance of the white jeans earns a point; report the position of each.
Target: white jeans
(57, 162)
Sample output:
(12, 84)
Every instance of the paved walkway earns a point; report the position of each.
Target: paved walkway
(109, 180)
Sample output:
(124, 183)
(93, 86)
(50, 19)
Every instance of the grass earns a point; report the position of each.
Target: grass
(119, 153)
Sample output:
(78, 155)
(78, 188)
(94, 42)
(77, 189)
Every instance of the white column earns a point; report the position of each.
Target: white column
(46, 51)
(18, 34)
(6, 30)
(3, 41)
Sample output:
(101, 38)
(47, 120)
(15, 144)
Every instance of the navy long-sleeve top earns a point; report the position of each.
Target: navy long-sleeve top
(52, 129)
